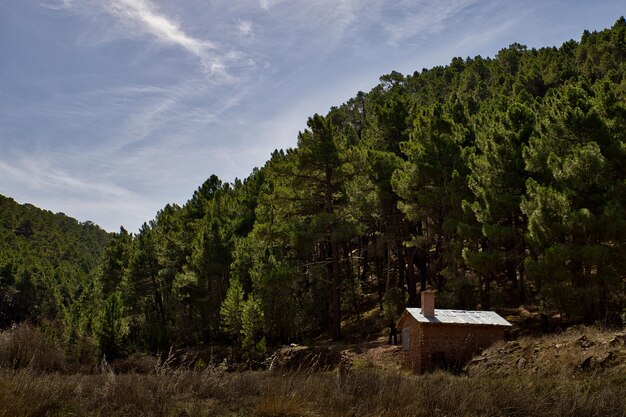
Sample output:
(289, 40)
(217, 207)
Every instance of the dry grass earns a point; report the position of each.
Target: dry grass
(556, 388)
(579, 352)
(25, 346)
(364, 392)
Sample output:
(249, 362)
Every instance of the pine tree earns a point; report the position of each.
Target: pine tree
(231, 311)
(571, 197)
(112, 327)
(431, 184)
(497, 180)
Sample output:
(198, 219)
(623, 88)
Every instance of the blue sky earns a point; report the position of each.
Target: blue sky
(110, 109)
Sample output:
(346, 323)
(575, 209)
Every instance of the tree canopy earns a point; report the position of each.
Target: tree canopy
(500, 182)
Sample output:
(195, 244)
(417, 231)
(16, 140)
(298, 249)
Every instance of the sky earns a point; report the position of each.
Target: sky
(111, 109)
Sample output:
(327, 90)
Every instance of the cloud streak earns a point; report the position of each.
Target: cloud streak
(38, 180)
(245, 28)
(42, 175)
(422, 18)
(58, 5)
(142, 15)
(144, 18)
(112, 108)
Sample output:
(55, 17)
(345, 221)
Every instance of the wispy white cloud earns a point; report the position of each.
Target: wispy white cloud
(39, 173)
(159, 117)
(481, 37)
(421, 18)
(340, 16)
(245, 28)
(57, 5)
(136, 102)
(345, 11)
(143, 18)
(267, 4)
(143, 15)
(38, 179)
(107, 213)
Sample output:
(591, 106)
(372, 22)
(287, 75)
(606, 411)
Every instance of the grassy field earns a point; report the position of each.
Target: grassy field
(498, 383)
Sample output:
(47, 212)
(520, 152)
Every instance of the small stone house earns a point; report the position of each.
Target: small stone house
(445, 338)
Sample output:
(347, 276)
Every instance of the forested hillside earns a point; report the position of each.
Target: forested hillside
(48, 264)
(499, 182)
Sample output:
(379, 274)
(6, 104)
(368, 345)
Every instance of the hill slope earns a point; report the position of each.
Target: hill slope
(47, 261)
(499, 181)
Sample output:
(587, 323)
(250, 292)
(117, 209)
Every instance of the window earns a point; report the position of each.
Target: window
(405, 339)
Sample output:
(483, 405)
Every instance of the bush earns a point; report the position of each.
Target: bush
(25, 346)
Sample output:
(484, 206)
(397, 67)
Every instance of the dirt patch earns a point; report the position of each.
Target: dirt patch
(378, 353)
(345, 355)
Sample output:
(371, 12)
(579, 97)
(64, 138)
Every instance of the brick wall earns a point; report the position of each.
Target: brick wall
(446, 345)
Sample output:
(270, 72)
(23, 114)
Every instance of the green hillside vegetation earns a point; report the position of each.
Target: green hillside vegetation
(500, 182)
(48, 265)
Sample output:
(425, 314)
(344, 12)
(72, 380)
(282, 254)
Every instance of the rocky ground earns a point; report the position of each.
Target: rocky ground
(576, 350)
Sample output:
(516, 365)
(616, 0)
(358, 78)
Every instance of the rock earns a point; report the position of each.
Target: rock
(618, 340)
(586, 363)
(509, 347)
(584, 342)
(521, 362)
(604, 360)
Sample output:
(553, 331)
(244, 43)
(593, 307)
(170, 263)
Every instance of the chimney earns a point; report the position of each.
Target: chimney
(428, 303)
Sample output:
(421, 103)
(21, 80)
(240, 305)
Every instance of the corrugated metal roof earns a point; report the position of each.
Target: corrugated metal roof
(459, 317)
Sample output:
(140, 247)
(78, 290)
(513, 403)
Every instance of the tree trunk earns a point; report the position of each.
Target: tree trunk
(401, 268)
(486, 298)
(378, 262)
(521, 283)
(336, 293)
(334, 252)
(422, 259)
(410, 277)
(365, 256)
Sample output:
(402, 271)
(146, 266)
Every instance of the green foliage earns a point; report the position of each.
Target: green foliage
(232, 309)
(111, 327)
(494, 232)
(253, 343)
(393, 304)
(499, 181)
(48, 265)
(570, 191)
(431, 184)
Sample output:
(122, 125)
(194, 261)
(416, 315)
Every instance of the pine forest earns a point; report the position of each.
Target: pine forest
(499, 182)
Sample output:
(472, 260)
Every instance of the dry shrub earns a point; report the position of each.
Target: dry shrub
(136, 363)
(81, 355)
(551, 389)
(26, 346)
(28, 393)
(363, 392)
(375, 392)
(281, 407)
(304, 358)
